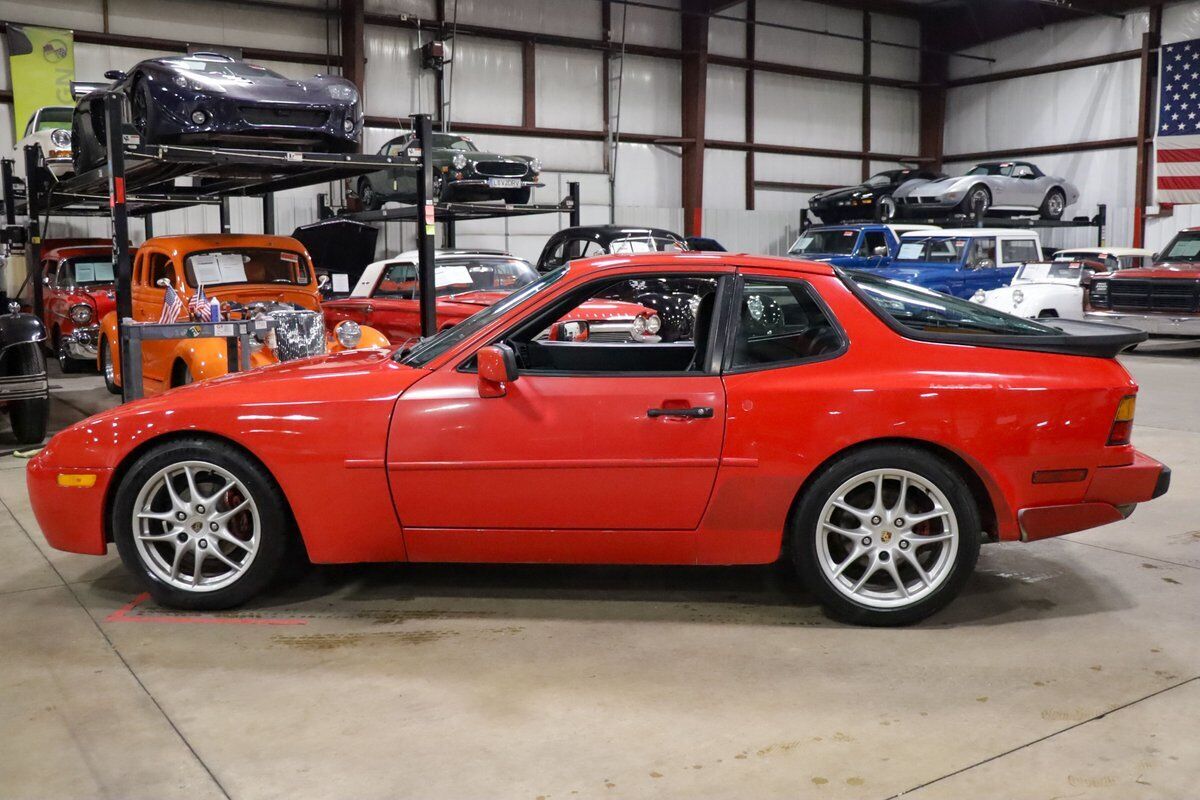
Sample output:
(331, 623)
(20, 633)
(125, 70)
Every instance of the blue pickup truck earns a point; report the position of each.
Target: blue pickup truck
(964, 260)
(859, 246)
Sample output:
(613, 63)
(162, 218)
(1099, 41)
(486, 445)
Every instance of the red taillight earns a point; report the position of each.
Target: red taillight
(1122, 428)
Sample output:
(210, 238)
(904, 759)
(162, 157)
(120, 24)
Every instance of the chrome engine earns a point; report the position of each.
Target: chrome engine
(298, 332)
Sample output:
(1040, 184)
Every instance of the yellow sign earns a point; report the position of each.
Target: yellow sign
(42, 64)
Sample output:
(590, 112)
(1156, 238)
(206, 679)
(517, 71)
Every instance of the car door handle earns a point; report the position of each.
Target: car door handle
(695, 412)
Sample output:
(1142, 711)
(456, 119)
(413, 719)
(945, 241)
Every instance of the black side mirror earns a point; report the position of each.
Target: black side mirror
(114, 75)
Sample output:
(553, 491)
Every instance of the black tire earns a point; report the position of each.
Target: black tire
(1054, 205)
(517, 197)
(67, 364)
(29, 418)
(106, 370)
(977, 202)
(143, 112)
(181, 375)
(368, 196)
(804, 527)
(274, 522)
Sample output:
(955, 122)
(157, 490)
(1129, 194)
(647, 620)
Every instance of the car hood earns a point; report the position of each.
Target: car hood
(265, 292)
(269, 88)
(841, 193)
(448, 154)
(1165, 269)
(478, 299)
(931, 187)
(102, 298)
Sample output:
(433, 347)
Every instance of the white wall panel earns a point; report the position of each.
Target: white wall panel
(725, 104)
(484, 84)
(426, 9)
(809, 49)
(648, 175)
(657, 27)
(1076, 105)
(1181, 21)
(761, 232)
(569, 88)
(649, 96)
(725, 37)
(807, 112)
(807, 169)
(781, 200)
(895, 62)
(895, 121)
(724, 179)
(1079, 38)
(84, 15)
(565, 155)
(395, 84)
(542, 16)
(222, 23)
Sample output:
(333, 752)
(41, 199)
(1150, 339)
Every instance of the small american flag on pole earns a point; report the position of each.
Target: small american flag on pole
(1177, 138)
(172, 305)
(199, 306)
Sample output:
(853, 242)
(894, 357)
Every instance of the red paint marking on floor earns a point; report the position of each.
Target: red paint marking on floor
(123, 614)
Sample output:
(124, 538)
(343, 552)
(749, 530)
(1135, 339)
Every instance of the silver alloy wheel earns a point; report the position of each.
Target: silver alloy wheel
(1055, 204)
(887, 208)
(979, 201)
(195, 526)
(887, 538)
(110, 372)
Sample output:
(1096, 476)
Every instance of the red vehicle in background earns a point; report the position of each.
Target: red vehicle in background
(1162, 299)
(78, 290)
(468, 281)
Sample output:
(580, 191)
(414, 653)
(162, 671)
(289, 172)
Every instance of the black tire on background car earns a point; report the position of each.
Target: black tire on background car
(368, 196)
(29, 418)
(200, 523)
(977, 202)
(1054, 205)
(107, 368)
(886, 536)
(517, 197)
(142, 103)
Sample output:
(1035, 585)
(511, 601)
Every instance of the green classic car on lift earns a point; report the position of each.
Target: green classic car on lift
(460, 173)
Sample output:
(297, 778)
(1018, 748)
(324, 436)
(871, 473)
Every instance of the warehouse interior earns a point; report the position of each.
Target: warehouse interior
(1068, 667)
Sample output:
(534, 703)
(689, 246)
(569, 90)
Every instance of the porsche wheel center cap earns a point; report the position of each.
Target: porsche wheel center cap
(886, 536)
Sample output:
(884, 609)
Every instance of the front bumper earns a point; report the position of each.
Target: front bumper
(82, 343)
(915, 206)
(239, 120)
(1161, 324)
(1111, 496)
(71, 518)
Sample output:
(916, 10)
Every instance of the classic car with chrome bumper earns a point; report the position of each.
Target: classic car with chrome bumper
(81, 342)
(1155, 324)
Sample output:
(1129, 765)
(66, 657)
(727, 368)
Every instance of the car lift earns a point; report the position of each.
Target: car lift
(141, 180)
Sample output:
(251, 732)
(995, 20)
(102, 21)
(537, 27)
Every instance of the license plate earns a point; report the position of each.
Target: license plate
(504, 183)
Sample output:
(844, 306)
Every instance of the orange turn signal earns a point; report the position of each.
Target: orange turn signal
(77, 480)
(1122, 428)
(1126, 408)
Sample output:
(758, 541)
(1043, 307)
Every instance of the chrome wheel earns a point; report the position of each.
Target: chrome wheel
(1055, 204)
(887, 208)
(887, 538)
(110, 372)
(978, 201)
(195, 526)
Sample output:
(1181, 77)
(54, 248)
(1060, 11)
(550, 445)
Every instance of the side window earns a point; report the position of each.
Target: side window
(573, 249)
(871, 241)
(398, 281)
(592, 249)
(159, 267)
(29, 125)
(64, 276)
(1019, 250)
(983, 250)
(779, 322)
(1021, 170)
(649, 324)
(555, 259)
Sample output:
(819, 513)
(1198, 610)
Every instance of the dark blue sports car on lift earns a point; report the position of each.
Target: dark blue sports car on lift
(213, 99)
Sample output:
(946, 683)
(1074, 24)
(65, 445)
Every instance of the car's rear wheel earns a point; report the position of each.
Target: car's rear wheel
(142, 106)
(201, 524)
(108, 369)
(368, 196)
(887, 536)
(1054, 204)
(885, 209)
(29, 418)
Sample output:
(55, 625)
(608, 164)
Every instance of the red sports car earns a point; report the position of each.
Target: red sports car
(467, 281)
(78, 279)
(873, 432)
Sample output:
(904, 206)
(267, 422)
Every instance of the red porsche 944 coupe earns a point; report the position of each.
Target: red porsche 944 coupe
(872, 432)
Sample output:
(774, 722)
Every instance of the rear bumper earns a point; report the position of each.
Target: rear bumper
(1111, 496)
(1162, 324)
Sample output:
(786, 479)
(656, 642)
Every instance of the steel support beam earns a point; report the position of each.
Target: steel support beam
(934, 69)
(694, 71)
(1147, 82)
(426, 280)
(751, 46)
(866, 95)
(528, 85)
(120, 244)
(33, 247)
(354, 62)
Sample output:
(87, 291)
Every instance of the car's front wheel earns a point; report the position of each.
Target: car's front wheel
(977, 202)
(200, 523)
(887, 536)
(368, 196)
(108, 369)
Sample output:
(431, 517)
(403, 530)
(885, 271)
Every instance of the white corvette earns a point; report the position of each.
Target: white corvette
(1042, 289)
(50, 126)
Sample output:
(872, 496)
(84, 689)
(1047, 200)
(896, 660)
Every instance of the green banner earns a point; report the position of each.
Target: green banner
(42, 65)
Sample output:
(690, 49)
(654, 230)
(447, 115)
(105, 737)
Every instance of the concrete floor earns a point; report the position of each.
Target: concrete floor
(1069, 668)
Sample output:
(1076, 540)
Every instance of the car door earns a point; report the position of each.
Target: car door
(1026, 188)
(590, 442)
(870, 242)
(1013, 253)
(150, 268)
(979, 269)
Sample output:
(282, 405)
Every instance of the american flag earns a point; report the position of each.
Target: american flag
(1177, 139)
(172, 305)
(199, 306)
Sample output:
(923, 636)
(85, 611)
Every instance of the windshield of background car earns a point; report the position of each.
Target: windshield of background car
(223, 69)
(246, 265)
(86, 272)
(644, 244)
(434, 346)
(445, 141)
(54, 118)
(839, 241)
(882, 179)
(925, 311)
(1184, 247)
(992, 169)
(1058, 270)
(1110, 262)
(942, 251)
(458, 276)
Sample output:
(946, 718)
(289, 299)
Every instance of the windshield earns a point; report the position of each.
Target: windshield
(992, 169)
(434, 346)
(1184, 247)
(941, 250)
(1109, 261)
(1057, 270)
(838, 241)
(247, 265)
(458, 276)
(927, 311)
(882, 179)
(446, 141)
(53, 118)
(86, 271)
(223, 69)
(644, 244)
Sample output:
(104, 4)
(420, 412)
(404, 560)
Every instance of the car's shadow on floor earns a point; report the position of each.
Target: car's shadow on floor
(1011, 584)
